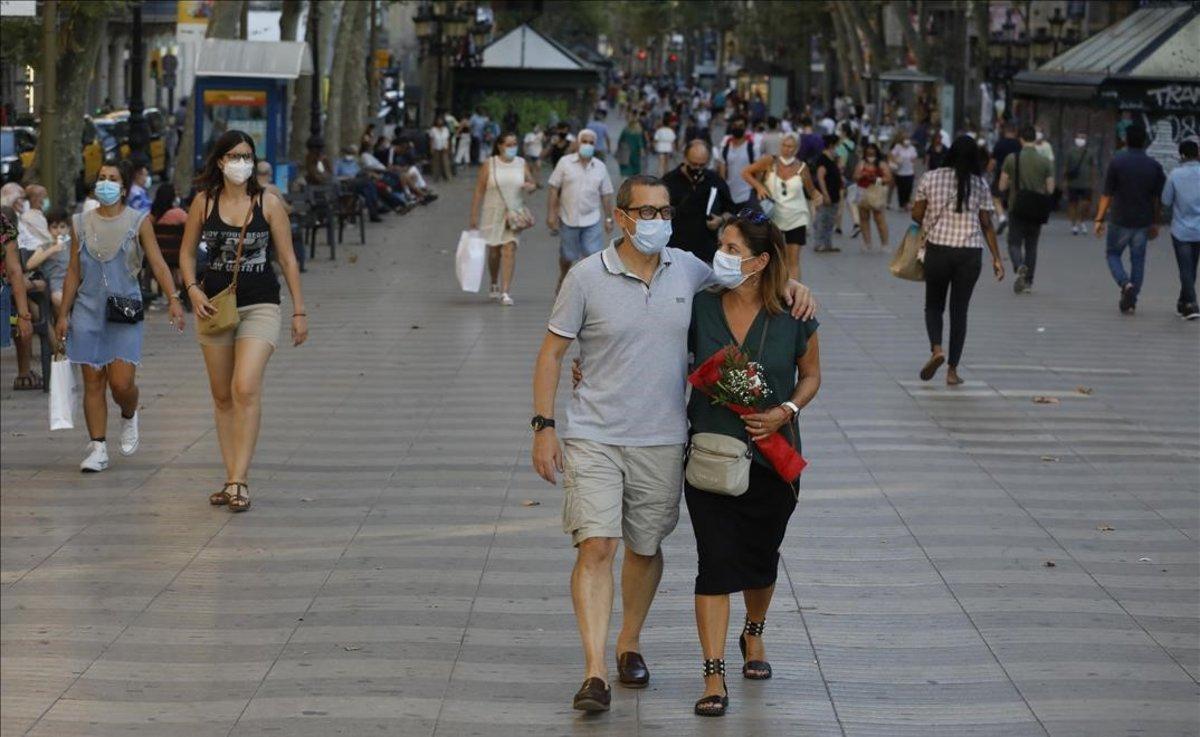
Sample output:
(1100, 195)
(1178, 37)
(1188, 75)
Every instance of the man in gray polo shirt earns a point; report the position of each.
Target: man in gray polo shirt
(629, 307)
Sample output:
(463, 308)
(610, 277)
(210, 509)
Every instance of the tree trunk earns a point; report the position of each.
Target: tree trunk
(222, 24)
(81, 52)
(354, 96)
(289, 19)
(853, 49)
(301, 102)
(342, 53)
(914, 39)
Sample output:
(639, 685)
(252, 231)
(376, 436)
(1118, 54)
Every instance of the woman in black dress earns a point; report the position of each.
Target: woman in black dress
(738, 538)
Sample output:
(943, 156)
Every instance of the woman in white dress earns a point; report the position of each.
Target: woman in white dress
(786, 183)
(498, 211)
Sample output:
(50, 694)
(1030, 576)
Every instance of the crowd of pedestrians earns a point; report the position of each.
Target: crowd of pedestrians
(698, 248)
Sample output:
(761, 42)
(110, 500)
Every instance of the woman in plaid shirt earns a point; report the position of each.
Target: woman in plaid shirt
(953, 205)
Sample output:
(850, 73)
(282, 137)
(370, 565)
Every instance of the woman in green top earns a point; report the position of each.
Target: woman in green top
(629, 148)
(738, 538)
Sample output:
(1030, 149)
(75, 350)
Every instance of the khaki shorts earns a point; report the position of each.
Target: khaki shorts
(621, 491)
(257, 321)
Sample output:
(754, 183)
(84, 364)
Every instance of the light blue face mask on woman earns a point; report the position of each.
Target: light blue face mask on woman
(107, 192)
(510, 152)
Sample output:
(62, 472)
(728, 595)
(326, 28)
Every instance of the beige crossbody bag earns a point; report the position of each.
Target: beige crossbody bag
(226, 317)
(720, 463)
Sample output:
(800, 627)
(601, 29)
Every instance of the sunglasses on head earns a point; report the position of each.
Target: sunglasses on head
(750, 215)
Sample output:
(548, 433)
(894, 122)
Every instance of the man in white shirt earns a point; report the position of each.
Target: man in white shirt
(581, 192)
(33, 232)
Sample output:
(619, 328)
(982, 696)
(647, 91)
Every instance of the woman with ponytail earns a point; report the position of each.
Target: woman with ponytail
(953, 205)
(738, 538)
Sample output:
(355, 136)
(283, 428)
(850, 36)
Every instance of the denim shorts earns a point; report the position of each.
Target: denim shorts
(576, 244)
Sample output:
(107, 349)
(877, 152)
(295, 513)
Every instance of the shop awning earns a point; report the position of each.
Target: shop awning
(1160, 44)
(219, 57)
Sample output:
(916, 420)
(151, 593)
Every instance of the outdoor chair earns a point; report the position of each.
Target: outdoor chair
(352, 208)
(320, 212)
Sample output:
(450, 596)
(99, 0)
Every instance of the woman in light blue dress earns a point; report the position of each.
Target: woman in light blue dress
(107, 248)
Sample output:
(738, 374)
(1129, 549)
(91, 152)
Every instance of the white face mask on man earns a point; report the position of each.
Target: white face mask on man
(1080, 142)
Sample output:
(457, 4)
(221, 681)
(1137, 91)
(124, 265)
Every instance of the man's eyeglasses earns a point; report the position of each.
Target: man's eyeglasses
(648, 212)
(751, 215)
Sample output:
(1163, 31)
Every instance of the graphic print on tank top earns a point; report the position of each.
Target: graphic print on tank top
(257, 282)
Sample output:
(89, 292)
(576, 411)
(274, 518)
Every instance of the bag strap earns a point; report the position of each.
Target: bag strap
(237, 261)
(1017, 169)
(503, 199)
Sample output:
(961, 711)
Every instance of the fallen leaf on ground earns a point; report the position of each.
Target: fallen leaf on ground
(352, 258)
(1049, 564)
(1050, 459)
(1144, 560)
(1045, 400)
(1084, 390)
(530, 503)
(351, 648)
(1105, 527)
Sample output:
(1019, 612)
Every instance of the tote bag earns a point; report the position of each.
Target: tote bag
(62, 394)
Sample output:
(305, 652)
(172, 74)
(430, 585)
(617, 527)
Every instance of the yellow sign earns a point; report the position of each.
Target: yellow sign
(194, 11)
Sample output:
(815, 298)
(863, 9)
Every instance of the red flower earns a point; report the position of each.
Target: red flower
(709, 372)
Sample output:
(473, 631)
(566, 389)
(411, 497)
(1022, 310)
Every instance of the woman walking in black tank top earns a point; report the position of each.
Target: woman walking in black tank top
(230, 198)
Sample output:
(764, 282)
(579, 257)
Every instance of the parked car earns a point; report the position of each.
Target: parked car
(17, 144)
(156, 121)
(93, 153)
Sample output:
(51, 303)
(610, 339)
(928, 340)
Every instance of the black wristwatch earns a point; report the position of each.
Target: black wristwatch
(539, 423)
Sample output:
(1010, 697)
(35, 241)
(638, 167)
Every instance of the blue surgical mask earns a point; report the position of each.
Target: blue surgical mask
(510, 152)
(651, 236)
(46, 205)
(727, 268)
(587, 150)
(108, 192)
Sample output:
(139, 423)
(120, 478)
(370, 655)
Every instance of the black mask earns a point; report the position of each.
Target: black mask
(737, 131)
(695, 172)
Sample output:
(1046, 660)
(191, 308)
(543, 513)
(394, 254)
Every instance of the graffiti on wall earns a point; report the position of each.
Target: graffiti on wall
(1167, 131)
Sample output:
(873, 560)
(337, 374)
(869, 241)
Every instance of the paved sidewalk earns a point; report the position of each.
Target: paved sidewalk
(963, 561)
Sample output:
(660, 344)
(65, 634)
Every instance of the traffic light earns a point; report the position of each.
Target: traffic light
(641, 54)
(673, 58)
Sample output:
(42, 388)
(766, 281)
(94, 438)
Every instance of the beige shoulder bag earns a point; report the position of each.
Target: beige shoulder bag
(721, 463)
(225, 301)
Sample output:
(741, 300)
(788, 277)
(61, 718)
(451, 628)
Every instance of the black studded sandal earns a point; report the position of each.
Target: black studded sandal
(239, 500)
(755, 670)
(714, 706)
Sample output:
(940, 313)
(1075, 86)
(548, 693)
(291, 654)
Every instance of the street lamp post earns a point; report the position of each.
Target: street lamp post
(1056, 27)
(314, 118)
(139, 133)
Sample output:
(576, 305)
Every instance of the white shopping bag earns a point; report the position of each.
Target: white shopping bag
(470, 260)
(62, 394)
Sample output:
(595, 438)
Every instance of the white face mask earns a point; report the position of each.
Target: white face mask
(238, 171)
(787, 160)
(1039, 136)
(651, 236)
(1080, 142)
(727, 269)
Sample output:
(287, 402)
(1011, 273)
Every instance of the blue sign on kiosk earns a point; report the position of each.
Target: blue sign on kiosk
(243, 85)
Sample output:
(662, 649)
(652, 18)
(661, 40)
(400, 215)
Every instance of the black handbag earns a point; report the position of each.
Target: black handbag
(126, 310)
(121, 309)
(1030, 206)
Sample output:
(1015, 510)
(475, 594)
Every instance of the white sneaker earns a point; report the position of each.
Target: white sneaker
(129, 435)
(506, 300)
(97, 459)
(494, 292)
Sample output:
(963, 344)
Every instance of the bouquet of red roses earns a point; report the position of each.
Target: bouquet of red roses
(731, 380)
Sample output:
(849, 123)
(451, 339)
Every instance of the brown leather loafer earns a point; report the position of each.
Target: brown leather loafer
(632, 671)
(593, 696)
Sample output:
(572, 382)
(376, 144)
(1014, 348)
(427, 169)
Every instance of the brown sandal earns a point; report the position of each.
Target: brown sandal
(28, 382)
(221, 497)
(239, 501)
